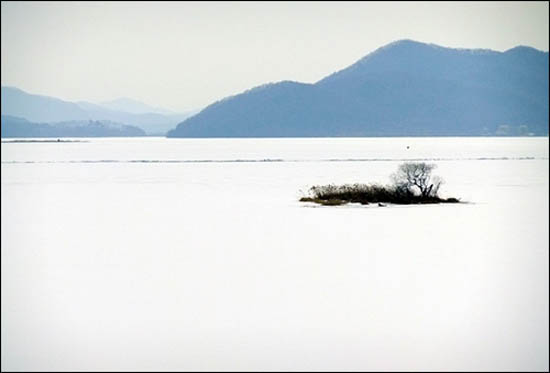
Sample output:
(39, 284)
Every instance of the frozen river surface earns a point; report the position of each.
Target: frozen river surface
(195, 254)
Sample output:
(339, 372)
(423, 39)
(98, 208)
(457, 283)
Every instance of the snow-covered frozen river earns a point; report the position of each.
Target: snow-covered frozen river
(195, 254)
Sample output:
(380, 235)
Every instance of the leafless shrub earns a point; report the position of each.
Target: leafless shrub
(416, 178)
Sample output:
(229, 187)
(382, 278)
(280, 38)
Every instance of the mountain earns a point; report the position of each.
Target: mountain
(129, 105)
(18, 103)
(151, 123)
(405, 88)
(45, 109)
(18, 127)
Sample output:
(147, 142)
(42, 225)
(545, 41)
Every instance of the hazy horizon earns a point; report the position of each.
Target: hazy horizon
(185, 56)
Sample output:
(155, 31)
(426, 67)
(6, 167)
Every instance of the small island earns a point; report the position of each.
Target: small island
(412, 184)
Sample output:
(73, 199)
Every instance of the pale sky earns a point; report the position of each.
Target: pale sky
(184, 56)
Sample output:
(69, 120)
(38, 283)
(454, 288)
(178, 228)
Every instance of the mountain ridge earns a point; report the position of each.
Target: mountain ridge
(19, 127)
(130, 105)
(46, 109)
(405, 88)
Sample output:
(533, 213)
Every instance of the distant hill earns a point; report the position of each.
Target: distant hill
(18, 127)
(38, 108)
(45, 109)
(129, 105)
(405, 88)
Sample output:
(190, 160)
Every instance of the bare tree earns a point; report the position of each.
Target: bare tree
(416, 178)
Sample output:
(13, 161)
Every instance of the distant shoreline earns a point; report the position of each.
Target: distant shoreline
(19, 140)
(58, 140)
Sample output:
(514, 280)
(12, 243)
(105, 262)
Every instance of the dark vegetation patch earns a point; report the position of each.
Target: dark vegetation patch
(412, 184)
(324, 202)
(330, 195)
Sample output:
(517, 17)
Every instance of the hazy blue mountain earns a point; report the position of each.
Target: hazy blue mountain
(129, 105)
(151, 123)
(18, 127)
(45, 109)
(38, 108)
(406, 88)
